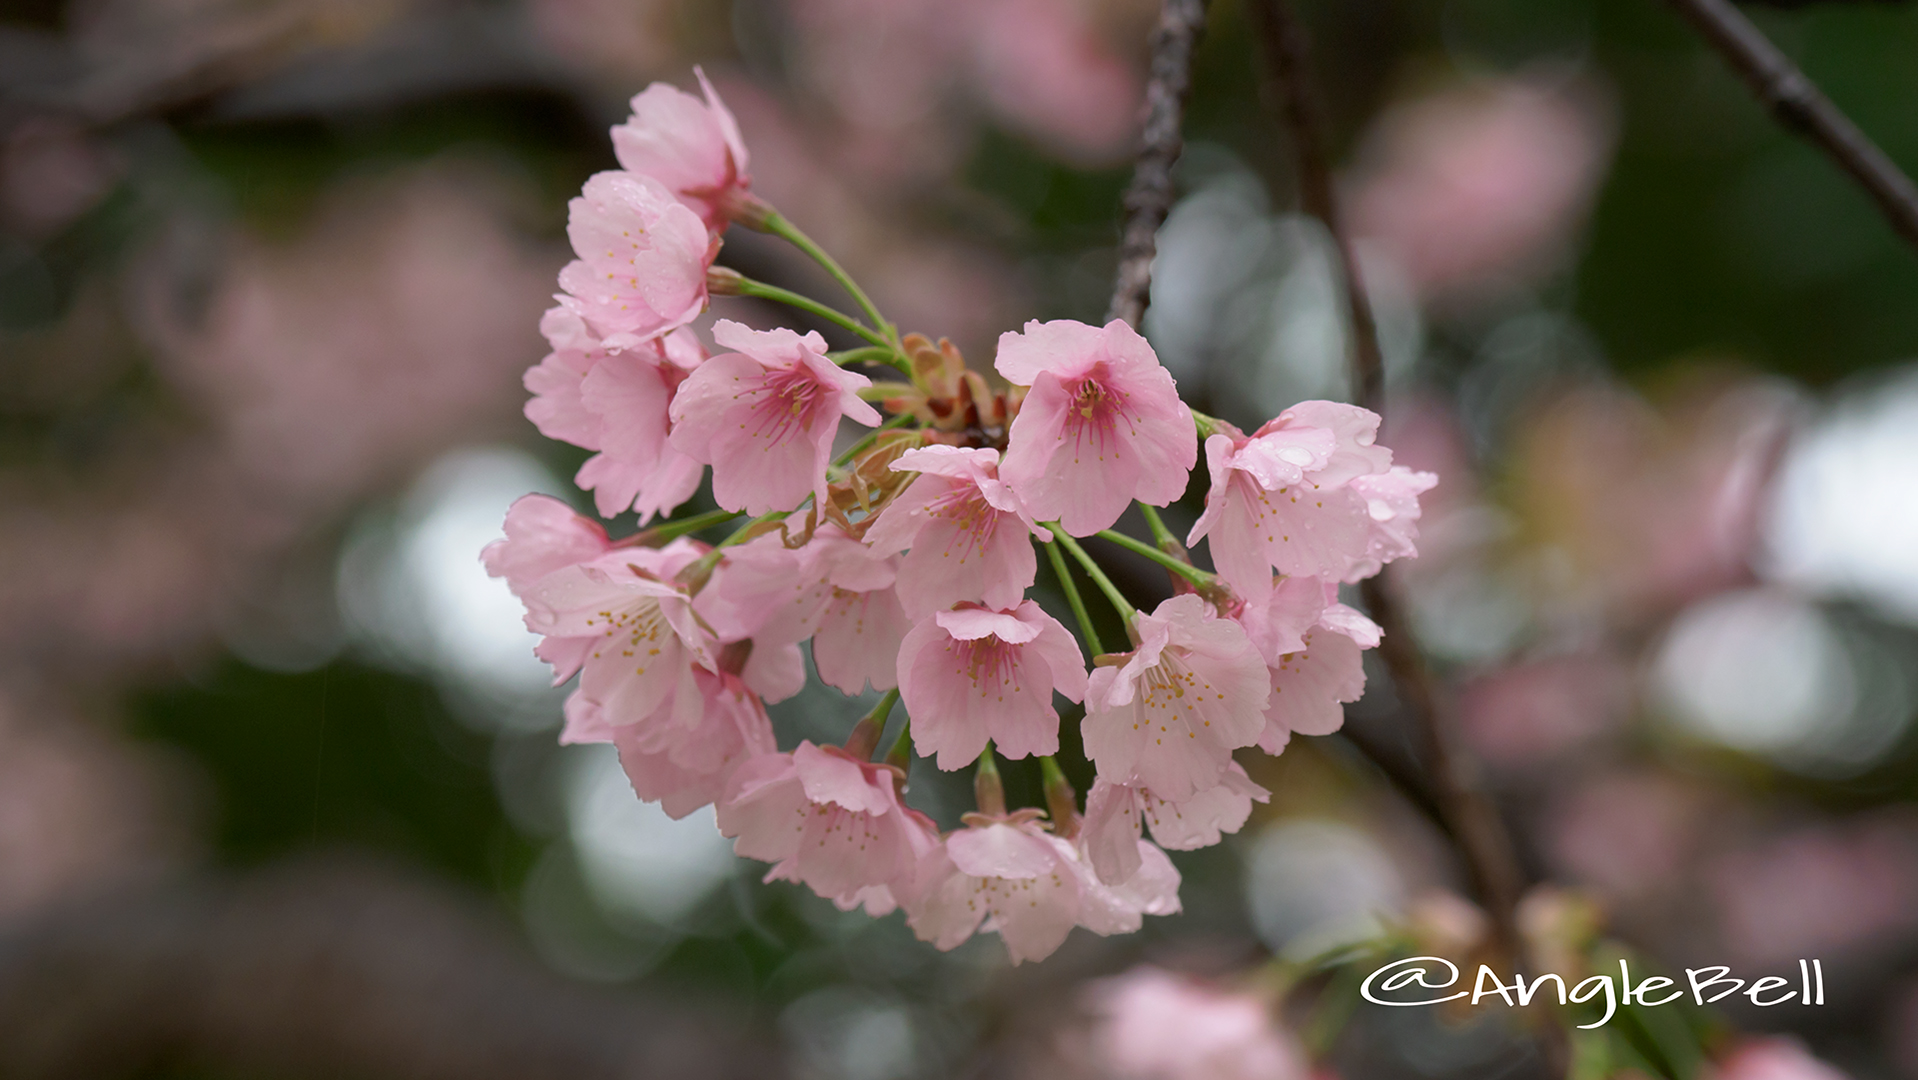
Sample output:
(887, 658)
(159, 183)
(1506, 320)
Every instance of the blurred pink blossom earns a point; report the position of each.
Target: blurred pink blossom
(1482, 185)
(1772, 1058)
(1041, 66)
(79, 809)
(1154, 1025)
(1630, 835)
(394, 324)
(51, 172)
(1534, 711)
(1653, 504)
(1820, 889)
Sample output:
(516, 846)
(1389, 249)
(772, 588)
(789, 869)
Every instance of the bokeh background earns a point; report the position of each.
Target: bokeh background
(279, 788)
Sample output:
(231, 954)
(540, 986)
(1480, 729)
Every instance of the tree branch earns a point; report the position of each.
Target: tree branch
(1467, 814)
(1797, 104)
(1149, 198)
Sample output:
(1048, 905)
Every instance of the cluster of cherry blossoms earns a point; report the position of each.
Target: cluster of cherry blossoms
(906, 561)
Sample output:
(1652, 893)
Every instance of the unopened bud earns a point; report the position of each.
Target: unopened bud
(988, 791)
(745, 208)
(1062, 803)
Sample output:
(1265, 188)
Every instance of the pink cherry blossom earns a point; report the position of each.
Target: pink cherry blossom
(835, 590)
(1283, 497)
(1171, 715)
(542, 535)
(973, 674)
(628, 630)
(1107, 909)
(691, 146)
(683, 769)
(1312, 645)
(1029, 887)
(966, 531)
(1115, 812)
(837, 820)
(764, 416)
(1102, 425)
(861, 625)
(1392, 504)
(616, 401)
(1154, 1025)
(1006, 871)
(641, 270)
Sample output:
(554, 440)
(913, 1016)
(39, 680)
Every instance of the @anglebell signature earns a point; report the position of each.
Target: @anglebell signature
(1409, 981)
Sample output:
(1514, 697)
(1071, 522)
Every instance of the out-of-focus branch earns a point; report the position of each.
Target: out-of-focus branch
(1797, 103)
(1469, 815)
(1149, 198)
(325, 969)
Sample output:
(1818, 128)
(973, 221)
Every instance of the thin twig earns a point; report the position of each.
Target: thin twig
(1797, 104)
(1149, 198)
(1469, 816)
(1287, 89)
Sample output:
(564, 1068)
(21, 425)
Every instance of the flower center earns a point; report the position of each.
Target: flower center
(787, 401)
(988, 661)
(638, 631)
(1097, 410)
(973, 519)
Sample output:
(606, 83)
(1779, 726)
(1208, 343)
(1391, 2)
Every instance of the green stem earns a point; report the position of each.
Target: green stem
(1161, 535)
(739, 534)
(870, 437)
(1119, 602)
(901, 753)
(749, 287)
(1184, 569)
(672, 530)
(1071, 589)
(870, 354)
(1062, 803)
(778, 224)
(865, 734)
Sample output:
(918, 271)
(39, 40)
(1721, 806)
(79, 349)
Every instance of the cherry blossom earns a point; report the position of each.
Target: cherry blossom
(1101, 426)
(966, 531)
(1115, 812)
(692, 147)
(630, 633)
(1283, 497)
(861, 625)
(642, 259)
(1030, 887)
(543, 534)
(764, 416)
(1170, 716)
(834, 589)
(834, 821)
(683, 769)
(973, 674)
(616, 401)
(1311, 644)
(1392, 503)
